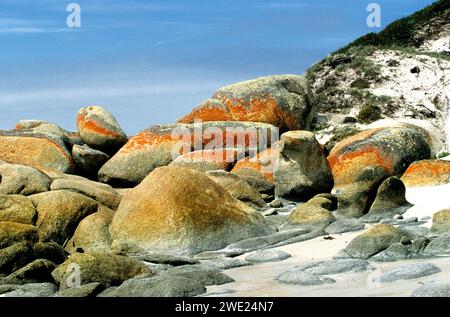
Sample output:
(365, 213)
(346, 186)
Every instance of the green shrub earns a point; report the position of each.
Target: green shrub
(369, 113)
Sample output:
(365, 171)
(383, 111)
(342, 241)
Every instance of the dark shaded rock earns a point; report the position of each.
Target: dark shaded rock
(15, 256)
(88, 160)
(50, 251)
(38, 271)
(355, 200)
(161, 258)
(389, 201)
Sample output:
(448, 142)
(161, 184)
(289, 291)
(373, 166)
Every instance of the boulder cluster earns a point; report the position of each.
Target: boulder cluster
(97, 213)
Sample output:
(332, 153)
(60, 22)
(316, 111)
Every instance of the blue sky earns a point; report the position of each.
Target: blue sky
(150, 62)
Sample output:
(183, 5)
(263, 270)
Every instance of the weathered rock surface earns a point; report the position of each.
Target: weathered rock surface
(390, 201)
(101, 193)
(284, 101)
(299, 277)
(337, 266)
(269, 255)
(17, 208)
(433, 289)
(159, 145)
(391, 149)
(99, 129)
(96, 267)
(427, 173)
(22, 180)
(441, 221)
(237, 187)
(38, 271)
(344, 225)
(92, 233)
(374, 240)
(408, 272)
(159, 215)
(43, 152)
(59, 213)
(88, 160)
(313, 215)
(303, 169)
(11, 232)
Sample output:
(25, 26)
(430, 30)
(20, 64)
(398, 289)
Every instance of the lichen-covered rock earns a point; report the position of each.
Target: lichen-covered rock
(43, 152)
(97, 267)
(160, 215)
(17, 208)
(313, 215)
(100, 192)
(92, 233)
(38, 271)
(50, 251)
(15, 256)
(285, 101)
(374, 240)
(303, 169)
(160, 145)
(59, 213)
(11, 232)
(237, 187)
(427, 173)
(356, 199)
(99, 129)
(441, 221)
(391, 149)
(88, 160)
(22, 180)
(258, 170)
(390, 201)
(209, 160)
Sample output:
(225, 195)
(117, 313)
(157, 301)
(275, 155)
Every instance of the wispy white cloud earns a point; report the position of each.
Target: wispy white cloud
(22, 26)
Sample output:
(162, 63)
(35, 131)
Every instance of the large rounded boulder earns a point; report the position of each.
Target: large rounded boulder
(161, 144)
(180, 211)
(285, 101)
(392, 149)
(22, 180)
(303, 169)
(427, 173)
(99, 129)
(43, 152)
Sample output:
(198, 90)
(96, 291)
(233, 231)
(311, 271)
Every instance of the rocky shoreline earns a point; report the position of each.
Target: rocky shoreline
(258, 187)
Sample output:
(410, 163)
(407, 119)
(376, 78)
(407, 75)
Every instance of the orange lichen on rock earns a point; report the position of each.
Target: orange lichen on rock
(90, 125)
(36, 151)
(264, 163)
(427, 173)
(391, 149)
